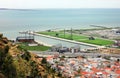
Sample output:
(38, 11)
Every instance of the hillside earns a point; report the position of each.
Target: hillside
(16, 62)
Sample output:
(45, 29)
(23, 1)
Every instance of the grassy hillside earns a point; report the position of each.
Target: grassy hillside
(16, 62)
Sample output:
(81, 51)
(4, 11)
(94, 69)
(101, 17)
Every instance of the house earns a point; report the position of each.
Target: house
(56, 47)
(75, 48)
(117, 42)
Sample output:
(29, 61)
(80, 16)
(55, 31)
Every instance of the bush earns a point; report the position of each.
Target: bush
(1, 35)
(63, 57)
(44, 61)
(8, 68)
(26, 56)
(107, 57)
(59, 74)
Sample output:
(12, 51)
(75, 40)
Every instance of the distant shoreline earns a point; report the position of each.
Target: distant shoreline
(37, 9)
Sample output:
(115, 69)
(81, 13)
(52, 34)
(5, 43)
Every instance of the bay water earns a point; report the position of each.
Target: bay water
(14, 21)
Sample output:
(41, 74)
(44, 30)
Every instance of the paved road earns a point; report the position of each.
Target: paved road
(74, 54)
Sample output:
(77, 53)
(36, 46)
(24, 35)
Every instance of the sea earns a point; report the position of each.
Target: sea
(13, 21)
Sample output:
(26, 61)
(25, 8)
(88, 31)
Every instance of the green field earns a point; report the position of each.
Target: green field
(80, 38)
(34, 48)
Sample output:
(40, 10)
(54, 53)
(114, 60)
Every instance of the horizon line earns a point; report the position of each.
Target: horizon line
(49, 8)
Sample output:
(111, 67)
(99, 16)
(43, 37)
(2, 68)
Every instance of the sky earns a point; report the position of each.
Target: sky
(41, 4)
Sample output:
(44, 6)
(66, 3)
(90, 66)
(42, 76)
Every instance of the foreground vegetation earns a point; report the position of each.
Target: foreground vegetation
(80, 38)
(34, 48)
(15, 62)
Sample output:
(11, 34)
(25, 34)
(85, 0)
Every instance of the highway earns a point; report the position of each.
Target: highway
(68, 54)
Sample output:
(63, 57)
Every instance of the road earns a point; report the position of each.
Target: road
(68, 54)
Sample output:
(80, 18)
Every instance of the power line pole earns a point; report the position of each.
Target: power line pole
(64, 33)
(33, 34)
(71, 34)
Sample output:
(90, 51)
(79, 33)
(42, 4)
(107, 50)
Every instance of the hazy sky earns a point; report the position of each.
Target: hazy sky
(26, 4)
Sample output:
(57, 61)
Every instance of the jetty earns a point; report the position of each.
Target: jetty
(99, 26)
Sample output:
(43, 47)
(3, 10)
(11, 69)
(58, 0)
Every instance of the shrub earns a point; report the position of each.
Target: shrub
(1, 35)
(44, 61)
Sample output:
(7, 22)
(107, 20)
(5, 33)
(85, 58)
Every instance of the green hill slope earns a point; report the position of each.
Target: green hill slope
(16, 62)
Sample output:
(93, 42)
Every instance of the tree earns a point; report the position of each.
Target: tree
(64, 33)
(34, 71)
(59, 74)
(1, 35)
(57, 34)
(3, 53)
(118, 60)
(6, 49)
(91, 38)
(8, 68)
(26, 56)
(79, 70)
(71, 35)
(44, 61)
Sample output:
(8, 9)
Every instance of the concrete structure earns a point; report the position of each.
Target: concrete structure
(75, 48)
(28, 39)
(56, 47)
(117, 42)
